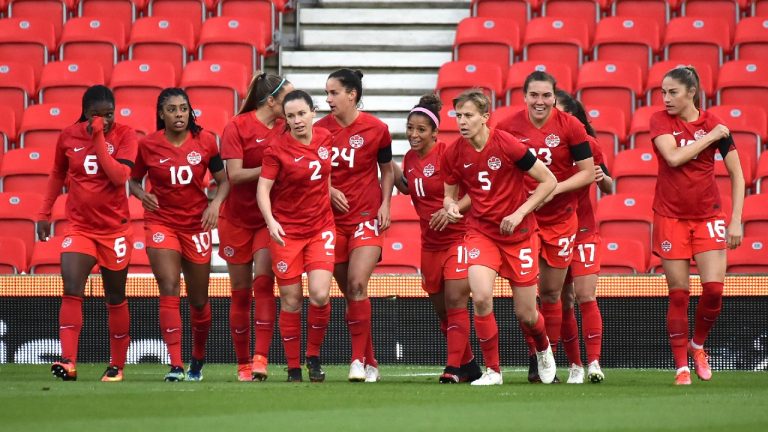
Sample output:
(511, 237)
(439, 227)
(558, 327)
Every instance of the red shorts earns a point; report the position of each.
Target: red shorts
(351, 237)
(193, 246)
(112, 251)
(586, 256)
(301, 255)
(442, 265)
(237, 245)
(557, 241)
(517, 262)
(683, 238)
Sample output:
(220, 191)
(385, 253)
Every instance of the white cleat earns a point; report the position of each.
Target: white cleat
(594, 373)
(575, 374)
(490, 377)
(547, 366)
(372, 374)
(357, 371)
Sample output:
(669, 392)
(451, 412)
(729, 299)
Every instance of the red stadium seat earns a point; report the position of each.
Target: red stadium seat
(449, 129)
(93, 39)
(587, 10)
(27, 41)
(761, 175)
(760, 8)
(635, 171)
(405, 221)
(52, 11)
(123, 11)
(610, 125)
(212, 118)
(42, 123)
(564, 40)
(400, 256)
(615, 84)
(137, 82)
(17, 86)
(18, 214)
(503, 112)
(141, 118)
(729, 10)
(519, 10)
(751, 40)
(623, 256)
(267, 12)
(484, 39)
(215, 84)
(26, 170)
(520, 70)
(455, 77)
(657, 10)
(46, 256)
(659, 69)
(754, 217)
(66, 81)
(237, 39)
(750, 257)
(13, 255)
(707, 40)
(640, 128)
(748, 125)
(634, 40)
(192, 11)
(162, 39)
(139, 260)
(7, 129)
(626, 216)
(741, 81)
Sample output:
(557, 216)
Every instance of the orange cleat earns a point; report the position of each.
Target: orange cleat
(700, 363)
(64, 369)
(683, 378)
(244, 372)
(259, 368)
(112, 374)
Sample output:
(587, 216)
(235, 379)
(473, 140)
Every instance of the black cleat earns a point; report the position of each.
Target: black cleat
(316, 372)
(451, 375)
(533, 370)
(556, 380)
(64, 369)
(176, 374)
(471, 371)
(195, 371)
(294, 375)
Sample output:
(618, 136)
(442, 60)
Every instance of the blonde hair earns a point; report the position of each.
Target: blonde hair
(477, 97)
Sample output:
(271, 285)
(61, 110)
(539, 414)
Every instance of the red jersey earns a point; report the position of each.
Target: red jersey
(246, 138)
(427, 191)
(688, 191)
(354, 159)
(552, 145)
(177, 177)
(585, 213)
(94, 204)
(493, 182)
(301, 197)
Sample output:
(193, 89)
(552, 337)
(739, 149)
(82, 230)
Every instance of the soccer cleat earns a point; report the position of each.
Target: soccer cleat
(469, 372)
(176, 374)
(533, 370)
(683, 378)
(244, 372)
(259, 368)
(112, 374)
(451, 375)
(64, 369)
(595, 373)
(294, 375)
(575, 374)
(356, 371)
(372, 374)
(545, 361)
(490, 377)
(700, 363)
(195, 371)
(316, 372)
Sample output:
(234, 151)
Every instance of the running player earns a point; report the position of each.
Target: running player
(179, 220)
(560, 141)
(688, 218)
(444, 276)
(490, 165)
(243, 236)
(294, 197)
(360, 205)
(95, 157)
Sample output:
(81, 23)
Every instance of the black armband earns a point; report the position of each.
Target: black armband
(126, 162)
(526, 162)
(385, 155)
(724, 145)
(216, 164)
(605, 169)
(404, 180)
(581, 151)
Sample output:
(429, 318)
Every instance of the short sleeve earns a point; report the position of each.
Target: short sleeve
(513, 148)
(231, 142)
(128, 145)
(271, 163)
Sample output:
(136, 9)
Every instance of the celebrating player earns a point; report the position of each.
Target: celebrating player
(243, 235)
(360, 206)
(179, 219)
(688, 217)
(294, 197)
(95, 157)
(444, 275)
(490, 165)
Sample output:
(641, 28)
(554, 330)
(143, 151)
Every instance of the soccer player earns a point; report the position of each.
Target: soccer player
(360, 206)
(444, 275)
(243, 235)
(490, 165)
(560, 141)
(294, 197)
(688, 216)
(95, 157)
(581, 283)
(179, 220)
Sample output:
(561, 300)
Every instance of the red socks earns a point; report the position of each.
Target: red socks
(488, 334)
(537, 333)
(70, 324)
(264, 314)
(677, 325)
(707, 311)
(553, 318)
(200, 319)
(290, 331)
(591, 329)
(359, 324)
(240, 324)
(457, 335)
(570, 332)
(119, 326)
(170, 327)
(318, 318)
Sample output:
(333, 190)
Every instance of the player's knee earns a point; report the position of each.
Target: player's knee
(527, 315)
(568, 299)
(357, 288)
(290, 304)
(549, 296)
(483, 306)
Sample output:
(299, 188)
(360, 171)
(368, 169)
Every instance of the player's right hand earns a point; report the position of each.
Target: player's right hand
(509, 223)
(719, 132)
(43, 230)
(97, 124)
(275, 231)
(149, 202)
(599, 174)
(339, 201)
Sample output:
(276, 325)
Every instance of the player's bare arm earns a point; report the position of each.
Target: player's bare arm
(676, 156)
(239, 175)
(265, 205)
(400, 181)
(735, 230)
(387, 182)
(211, 214)
(148, 200)
(547, 183)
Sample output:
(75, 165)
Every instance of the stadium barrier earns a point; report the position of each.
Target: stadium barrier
(405, 329)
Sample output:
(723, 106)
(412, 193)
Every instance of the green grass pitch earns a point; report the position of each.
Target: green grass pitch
(407, 399)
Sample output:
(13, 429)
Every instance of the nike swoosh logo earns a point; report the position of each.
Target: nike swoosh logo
(298, 159)
(354, 322)
(329, 253)
(260, 140)
(676, 133)
(171, 330)
(317, 327)
(719, 240)
(77, 149)
(205, 253)
(524, 273)
(524, 139)
(468, 165)
(64, 327)
(588, 265)
(483, 340)
(452, 327)
(164, 160)
(241, 331)
(365, 238)
(290, 338)
(410, 170)
(675, 334)
(458, 270)
(262, 322)
(121, 336)
(592, 336)
(120, 260)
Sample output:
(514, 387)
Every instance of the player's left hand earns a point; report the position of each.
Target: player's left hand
(96, 124)
(383, 216)
(510, 222)
(440, 219)
(276, 231)
(735, 234)
(599, 174)
(210, 217)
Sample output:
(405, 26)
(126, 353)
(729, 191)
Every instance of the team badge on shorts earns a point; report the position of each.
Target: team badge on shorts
(474, 253)
(110, 148)
(699, 134)
(356, 141)
(282, 267)
(158, 237)
(552, 140)
(666, 246)
(229, 251)
(66, 243)
(494, 163)
(429, 170)
(194, 158)
(322, 152)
